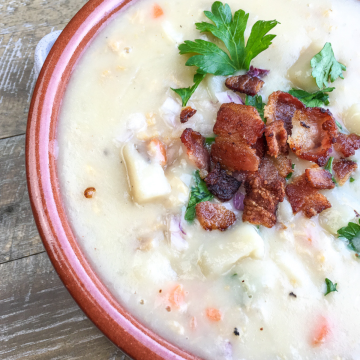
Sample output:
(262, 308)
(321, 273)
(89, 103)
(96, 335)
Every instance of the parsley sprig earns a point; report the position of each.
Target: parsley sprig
(351, 232)
(198, 194)
(211, 59)
(325, 67)
(316, 99)
(330, 286)
(257, 102)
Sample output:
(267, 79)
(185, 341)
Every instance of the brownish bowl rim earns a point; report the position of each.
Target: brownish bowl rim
(84, 285)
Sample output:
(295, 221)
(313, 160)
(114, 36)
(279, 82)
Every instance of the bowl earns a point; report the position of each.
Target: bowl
(55, 230)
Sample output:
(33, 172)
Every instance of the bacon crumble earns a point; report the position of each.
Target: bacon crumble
(186, 114)
(239, 128)
(264, 190)
(246, 84)
(303, 197)
(343, 169)
(313, 141)
(347, 144)
(283, 165)
(196, 149)
(282, 106)
(319, 178)
(214, 216)
(221, 184)
(276, 138)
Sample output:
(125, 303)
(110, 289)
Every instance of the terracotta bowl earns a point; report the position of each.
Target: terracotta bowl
(55, 230)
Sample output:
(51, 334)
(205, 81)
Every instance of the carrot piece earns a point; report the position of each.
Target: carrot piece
(213, 314)
(157, 150)
(321, 332)
(176, 296)
(157, 11)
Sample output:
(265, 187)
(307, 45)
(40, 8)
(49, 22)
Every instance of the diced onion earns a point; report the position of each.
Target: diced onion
(226, 97)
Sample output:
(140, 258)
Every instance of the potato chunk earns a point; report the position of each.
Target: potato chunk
(241, 242)
(147, 180)
(300, 73)
(352, 119)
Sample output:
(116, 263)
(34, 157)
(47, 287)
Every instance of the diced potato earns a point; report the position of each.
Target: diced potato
(180, 192)
(148, 181)
(300, 73)
(215, 84)
(338, 216)
(152, 267)
(234, 245)
(352, 119)
(285, 212)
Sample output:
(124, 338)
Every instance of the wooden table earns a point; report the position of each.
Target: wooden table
(38, 317)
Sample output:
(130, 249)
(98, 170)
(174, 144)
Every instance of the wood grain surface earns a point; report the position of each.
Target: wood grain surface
(39, 320)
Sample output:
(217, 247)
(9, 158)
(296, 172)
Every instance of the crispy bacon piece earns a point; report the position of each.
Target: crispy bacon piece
(264, 190)
(239, 122)
(260, 147)
(186, 114)
(239, 128)
(283, 165)
(234, 157)
(246, 84)
(214, 216)
(222, 185)
(282, 106)
(196, 150)
(314, 132)
(347, 144)
(303, 197)
(319, 178)
(343, 169)
(276, 138)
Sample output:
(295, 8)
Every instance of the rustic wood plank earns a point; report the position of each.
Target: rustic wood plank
(17, 15)
(18, 233)
(39, 319)
(22, 25)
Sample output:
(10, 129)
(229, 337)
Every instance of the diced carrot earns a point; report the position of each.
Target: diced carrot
(176, 296)
(321, 332)
(157, 11)
(193, 323)
(213, 314)
(157, 151)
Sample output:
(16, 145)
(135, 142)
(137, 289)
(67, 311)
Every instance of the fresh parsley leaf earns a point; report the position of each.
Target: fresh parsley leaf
(329, 165)
(316, 99)
(330, 286)
(288, 176)
(186, 93)
(231, 31)
(338, 125)
(210, 140)
(293, 166)
(352, 179)
(257, 102)
(199, 193)
(326, 67)
(351, 232)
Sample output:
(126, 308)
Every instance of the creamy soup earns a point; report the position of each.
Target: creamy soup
(249, 292)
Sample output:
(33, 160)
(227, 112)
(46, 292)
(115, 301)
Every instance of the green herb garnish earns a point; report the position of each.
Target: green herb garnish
(316, 99)
(198, 194)
(257, 102)
(330, 287)
(338, 125)
(186, 93)
(352, 179)
(351, 232)
(288, 176)
(329, 168)
(326, 67)
(211, 59)
(210, 140)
